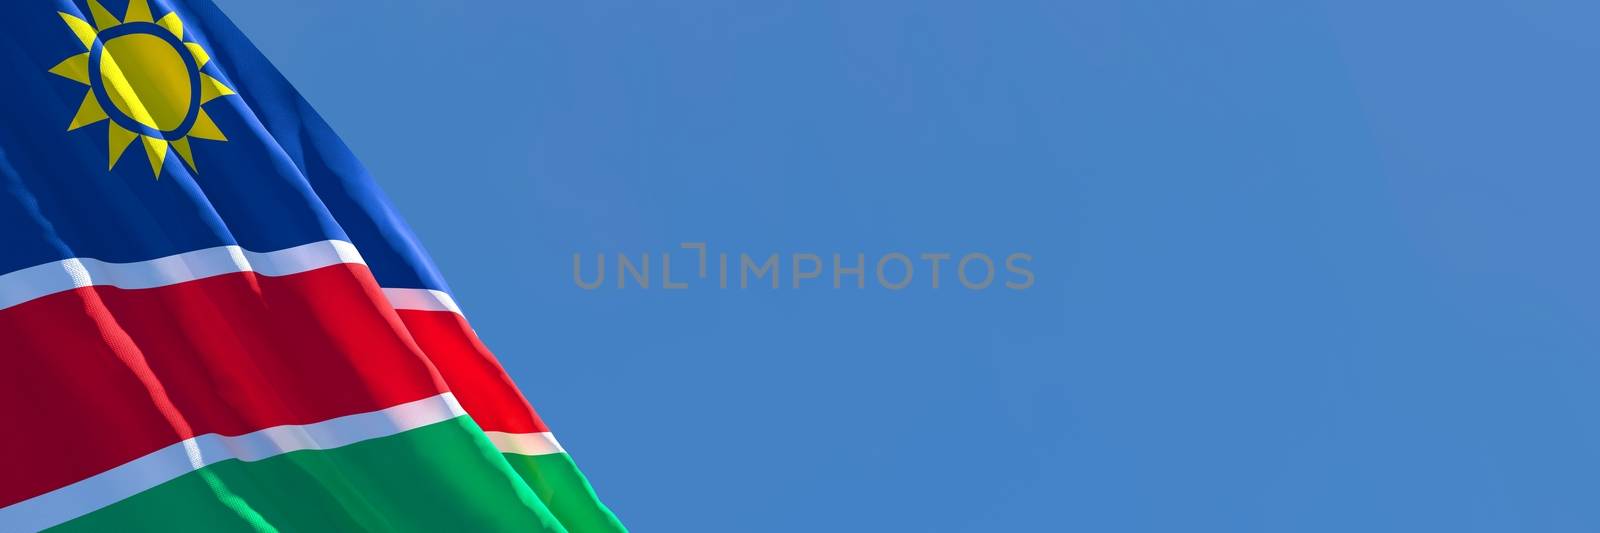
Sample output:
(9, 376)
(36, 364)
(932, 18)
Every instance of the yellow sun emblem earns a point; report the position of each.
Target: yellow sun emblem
(147, 77)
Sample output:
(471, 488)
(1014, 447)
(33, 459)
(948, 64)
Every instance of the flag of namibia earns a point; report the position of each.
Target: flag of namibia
(210, 317)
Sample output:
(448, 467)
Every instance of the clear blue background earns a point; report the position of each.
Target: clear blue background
(1302, 266)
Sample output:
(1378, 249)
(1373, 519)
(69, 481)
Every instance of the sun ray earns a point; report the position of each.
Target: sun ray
(89, 112)
(80, 28)
(138, 11)
(120, 139)
(212, 88)
(102, 19)
(156, 149)
(181, 146)
(75, 68)
(200, 55)
(173, 24)
(205, 128)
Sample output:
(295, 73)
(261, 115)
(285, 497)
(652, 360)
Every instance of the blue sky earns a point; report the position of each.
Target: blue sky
(1301, 266)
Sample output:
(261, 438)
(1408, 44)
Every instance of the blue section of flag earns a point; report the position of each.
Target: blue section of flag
(281, 179)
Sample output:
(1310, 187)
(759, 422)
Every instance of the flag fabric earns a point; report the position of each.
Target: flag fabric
(210, 317)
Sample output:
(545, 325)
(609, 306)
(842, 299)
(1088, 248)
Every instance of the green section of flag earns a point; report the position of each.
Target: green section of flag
(441, 477)
(563, 489)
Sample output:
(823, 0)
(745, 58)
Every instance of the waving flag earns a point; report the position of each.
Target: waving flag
(210, 317)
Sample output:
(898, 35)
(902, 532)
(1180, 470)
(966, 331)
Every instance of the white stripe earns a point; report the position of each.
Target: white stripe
(114, 485)
(525, 443)
(421, 300)
(50, 278)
